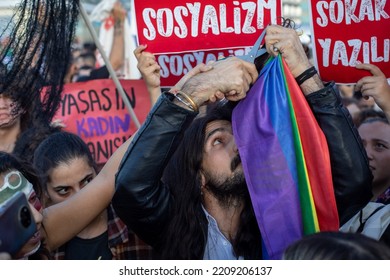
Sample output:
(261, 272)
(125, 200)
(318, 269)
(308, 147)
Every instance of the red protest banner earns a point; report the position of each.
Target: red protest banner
(174, 66)
(345, 32)
(96, 112)
(183, 34)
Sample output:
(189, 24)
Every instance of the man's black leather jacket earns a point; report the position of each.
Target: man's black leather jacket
(143, 202)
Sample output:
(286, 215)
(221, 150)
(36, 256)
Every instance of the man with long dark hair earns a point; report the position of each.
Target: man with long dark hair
(181, 185)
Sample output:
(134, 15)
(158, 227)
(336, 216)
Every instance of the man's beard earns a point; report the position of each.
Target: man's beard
(233, 190)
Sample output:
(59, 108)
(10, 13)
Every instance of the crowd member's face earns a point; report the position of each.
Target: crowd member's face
(8, 114)
(376, 140)
(34, 242)
(69, 178)
(221, 166)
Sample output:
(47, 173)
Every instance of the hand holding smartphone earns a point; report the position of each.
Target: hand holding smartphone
(17, 225)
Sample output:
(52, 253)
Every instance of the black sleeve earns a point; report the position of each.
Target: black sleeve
(99, 73)
(350, 170)
(141, 200)
(95, 74)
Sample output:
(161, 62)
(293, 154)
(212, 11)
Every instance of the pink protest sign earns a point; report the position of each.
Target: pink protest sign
(95, 111)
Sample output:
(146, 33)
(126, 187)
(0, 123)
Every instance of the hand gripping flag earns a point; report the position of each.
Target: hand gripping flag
(285, 159)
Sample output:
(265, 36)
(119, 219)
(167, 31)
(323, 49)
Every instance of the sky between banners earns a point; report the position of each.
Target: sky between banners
(184, 33)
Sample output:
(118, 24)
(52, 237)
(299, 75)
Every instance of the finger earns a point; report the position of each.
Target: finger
(220, 95)
(236, 97)
(156, 68)
(273, 29)
(367, 80)
(138, 51)
(299, 32)
(251, 70)
(199, 68)
(210, 62)
(212, 99)
(374, 70)
(152, 68)
(151, 60)
(205, 68)
(147, 56)
(248, 79)
(368, 88)
(194, 71)
(271, 44)
(146, 61)
(232, 92)
(245, 89)
(278, 33)
(359, 84)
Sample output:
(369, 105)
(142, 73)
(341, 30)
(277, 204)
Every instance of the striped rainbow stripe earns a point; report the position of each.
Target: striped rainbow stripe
(285, 159)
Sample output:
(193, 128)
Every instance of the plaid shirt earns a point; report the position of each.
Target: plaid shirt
(384, 197)
(123, 243)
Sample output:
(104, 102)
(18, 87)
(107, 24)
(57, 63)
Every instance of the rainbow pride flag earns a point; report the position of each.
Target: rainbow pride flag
(285, 159)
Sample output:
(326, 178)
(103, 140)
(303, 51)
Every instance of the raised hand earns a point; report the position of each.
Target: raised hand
(286, 41)
(375, 86)
(150, 71)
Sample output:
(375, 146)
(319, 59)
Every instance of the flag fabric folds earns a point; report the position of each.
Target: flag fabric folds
(285, 159)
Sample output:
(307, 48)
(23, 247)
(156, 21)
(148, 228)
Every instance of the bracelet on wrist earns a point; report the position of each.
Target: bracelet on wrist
(186, 100)
(307, 74)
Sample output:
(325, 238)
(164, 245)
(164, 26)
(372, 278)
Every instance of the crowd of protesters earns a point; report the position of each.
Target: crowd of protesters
(176, 189)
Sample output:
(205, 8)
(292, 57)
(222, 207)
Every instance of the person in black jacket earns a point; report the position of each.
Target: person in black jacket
(180, 185)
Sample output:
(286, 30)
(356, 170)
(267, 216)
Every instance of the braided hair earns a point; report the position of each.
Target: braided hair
(37, 54)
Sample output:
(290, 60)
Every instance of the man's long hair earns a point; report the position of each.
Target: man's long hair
(187, 231)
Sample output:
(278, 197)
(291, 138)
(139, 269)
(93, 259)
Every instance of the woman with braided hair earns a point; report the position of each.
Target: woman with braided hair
(40, 37)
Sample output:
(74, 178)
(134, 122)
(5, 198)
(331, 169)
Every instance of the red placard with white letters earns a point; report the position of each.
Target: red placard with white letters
(184, 33)
(346, 32)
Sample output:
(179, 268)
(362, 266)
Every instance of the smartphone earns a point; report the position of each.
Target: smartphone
(17, 224)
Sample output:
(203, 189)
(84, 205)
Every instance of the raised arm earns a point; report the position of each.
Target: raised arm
(117, 54)
(350, 171)
(141, 199)
(150, 71)
(285, 41)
